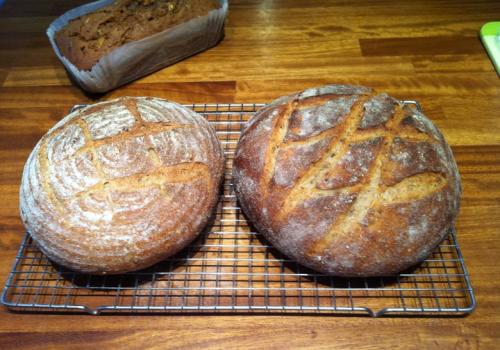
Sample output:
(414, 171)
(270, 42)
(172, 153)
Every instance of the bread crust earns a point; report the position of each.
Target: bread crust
(120, 185)
(347, 181)
(86, 39)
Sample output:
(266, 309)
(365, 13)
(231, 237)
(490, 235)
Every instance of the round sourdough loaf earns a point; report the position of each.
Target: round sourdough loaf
(347, 181)
(120, 185)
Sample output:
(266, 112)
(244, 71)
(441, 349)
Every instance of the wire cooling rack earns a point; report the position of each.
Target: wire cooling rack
(231, 268)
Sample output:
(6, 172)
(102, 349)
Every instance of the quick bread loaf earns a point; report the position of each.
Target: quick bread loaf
(84, 40)
(347, 181)
(120, 185)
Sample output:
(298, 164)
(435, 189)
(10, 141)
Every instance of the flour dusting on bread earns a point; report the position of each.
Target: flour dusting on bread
(120, 185)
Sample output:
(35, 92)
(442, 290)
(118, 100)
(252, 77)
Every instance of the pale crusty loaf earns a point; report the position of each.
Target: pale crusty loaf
(347, 181)
(120, 185)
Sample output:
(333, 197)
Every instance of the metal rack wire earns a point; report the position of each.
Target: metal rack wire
(231, 268)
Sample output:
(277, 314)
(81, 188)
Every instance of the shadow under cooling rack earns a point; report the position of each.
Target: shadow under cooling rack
(232, 269)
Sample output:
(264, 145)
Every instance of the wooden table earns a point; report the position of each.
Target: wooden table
(423, 50)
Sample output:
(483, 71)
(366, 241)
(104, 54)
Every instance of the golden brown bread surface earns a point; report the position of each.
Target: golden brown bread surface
(120, 185)
(347, 181)
(87, 38)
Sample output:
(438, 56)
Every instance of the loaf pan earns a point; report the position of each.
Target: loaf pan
(142, 57)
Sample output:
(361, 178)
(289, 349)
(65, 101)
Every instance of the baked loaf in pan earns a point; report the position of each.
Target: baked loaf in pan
(347, 181)
(86, 39)
(120, 185)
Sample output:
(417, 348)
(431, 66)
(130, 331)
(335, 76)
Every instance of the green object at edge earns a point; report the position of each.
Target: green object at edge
(490, 36)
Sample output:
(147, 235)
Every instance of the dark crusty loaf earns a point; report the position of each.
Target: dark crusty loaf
(87, 38)
(347, 181)
(120, 185)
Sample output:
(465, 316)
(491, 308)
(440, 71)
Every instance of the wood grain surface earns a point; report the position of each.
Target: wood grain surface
(425, 50)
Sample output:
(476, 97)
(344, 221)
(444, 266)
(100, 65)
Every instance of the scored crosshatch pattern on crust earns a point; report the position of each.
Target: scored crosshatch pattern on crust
(231, 268)
(98, 137)
(336, 151)
(347, 181)
(109, 173)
